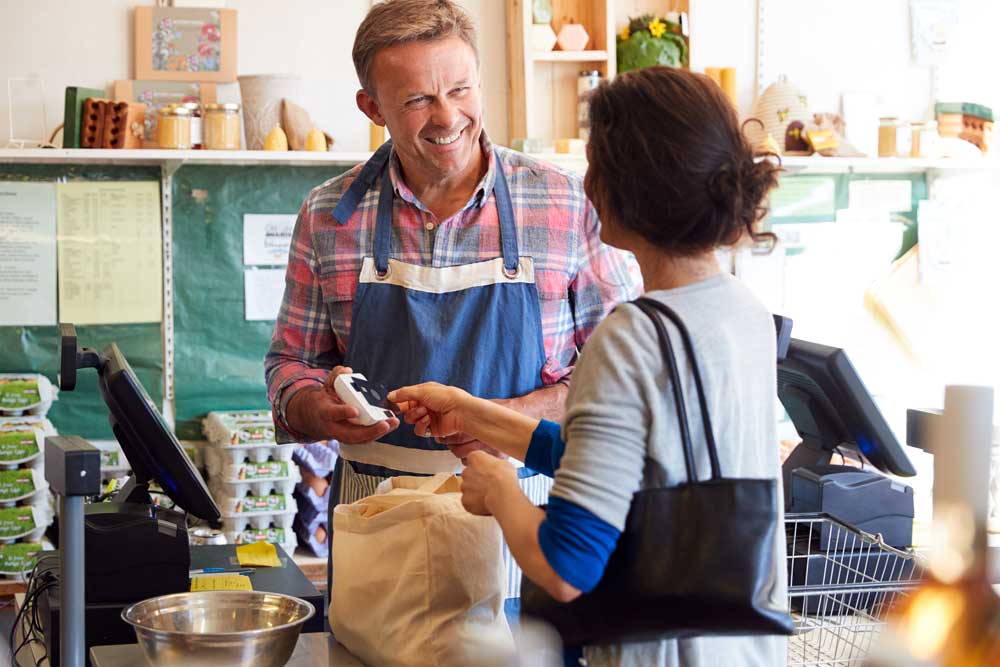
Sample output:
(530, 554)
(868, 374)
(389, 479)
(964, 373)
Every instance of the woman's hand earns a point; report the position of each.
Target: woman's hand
(485, 479)
(435, 410)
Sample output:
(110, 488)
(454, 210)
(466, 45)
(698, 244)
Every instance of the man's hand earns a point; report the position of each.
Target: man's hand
(484, 479)
(318, 413)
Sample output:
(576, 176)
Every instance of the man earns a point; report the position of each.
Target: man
(443, 258)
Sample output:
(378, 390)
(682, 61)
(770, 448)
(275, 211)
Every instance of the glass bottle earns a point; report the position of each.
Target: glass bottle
(953, 619)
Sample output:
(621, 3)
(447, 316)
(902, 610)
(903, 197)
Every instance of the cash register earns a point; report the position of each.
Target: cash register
(834, 414)
(135, 549)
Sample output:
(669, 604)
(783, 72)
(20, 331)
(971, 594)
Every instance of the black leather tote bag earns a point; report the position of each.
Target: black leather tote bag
(694, 559)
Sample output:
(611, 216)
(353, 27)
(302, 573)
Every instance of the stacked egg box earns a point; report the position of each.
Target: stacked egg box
(26, 504)
(251, 478)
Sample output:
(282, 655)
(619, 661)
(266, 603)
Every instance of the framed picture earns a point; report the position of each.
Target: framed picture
(185, 44)
(156, 94)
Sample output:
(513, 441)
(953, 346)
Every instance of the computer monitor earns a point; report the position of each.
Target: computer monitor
(150, 446)
(833, 411)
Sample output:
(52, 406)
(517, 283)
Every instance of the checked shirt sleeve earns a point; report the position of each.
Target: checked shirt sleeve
(303, 347)
(605, 278)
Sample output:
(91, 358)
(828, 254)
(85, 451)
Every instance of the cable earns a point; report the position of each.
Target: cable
(40, 579)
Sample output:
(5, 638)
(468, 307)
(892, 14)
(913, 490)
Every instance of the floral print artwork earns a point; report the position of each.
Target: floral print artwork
(188, 40)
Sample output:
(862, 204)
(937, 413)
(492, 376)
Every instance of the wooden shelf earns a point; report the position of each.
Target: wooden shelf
(794, 164)
(162, 157)
(570, 56)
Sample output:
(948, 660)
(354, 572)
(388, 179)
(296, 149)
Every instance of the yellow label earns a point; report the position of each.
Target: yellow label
(221, 582)
(258, 554)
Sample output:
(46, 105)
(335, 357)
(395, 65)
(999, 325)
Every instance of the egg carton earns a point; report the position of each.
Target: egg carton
(310, 503)
(25, 523)
(26, 394)
(237, 523)
(23, 486)
(239, 428)
(319, 458)
(21, 445)
(272, 534)
(18, 559)
(259, 487)
(28, 421)
(217, 458)
(306, 531)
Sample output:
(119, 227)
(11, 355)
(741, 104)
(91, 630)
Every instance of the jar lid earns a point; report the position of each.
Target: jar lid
(174, 110)
(225, 106)
(590, 72)
(193, 106)
(888, 119)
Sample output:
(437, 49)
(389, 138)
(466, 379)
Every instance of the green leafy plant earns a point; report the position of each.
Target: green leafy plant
(651, 40)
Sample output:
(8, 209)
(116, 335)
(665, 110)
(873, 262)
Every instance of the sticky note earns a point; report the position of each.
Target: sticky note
(258, 554)
(221, 582)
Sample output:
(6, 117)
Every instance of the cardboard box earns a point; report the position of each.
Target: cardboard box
(156, 94)
(185, 44)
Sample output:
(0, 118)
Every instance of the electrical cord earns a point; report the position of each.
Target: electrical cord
(28, 620)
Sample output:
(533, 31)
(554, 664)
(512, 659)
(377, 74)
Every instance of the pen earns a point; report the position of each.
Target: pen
(219, 570)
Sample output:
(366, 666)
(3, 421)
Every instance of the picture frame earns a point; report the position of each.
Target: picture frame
(185, 44)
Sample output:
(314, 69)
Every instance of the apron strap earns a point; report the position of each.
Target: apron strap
(505, 213)
(508, 229)
(362, 184)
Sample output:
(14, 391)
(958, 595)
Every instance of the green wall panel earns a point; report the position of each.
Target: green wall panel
(36, 349)
(219, 356)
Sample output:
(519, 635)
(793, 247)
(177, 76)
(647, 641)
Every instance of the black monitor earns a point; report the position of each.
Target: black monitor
(832, 411)
(150, 446)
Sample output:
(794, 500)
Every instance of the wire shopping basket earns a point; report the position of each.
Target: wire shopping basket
(841, 583)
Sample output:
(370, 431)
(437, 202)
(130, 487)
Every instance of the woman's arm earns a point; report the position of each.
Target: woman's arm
(438, 411)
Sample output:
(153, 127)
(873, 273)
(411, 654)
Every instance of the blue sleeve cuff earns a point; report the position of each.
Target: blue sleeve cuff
(546, 448)
(576, 544)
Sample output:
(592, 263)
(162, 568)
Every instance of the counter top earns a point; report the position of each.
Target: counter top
(314, 649)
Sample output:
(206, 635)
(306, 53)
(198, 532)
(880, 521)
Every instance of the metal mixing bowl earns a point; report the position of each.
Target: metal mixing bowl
(218, 628)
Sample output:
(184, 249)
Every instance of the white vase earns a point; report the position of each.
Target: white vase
(262, 95)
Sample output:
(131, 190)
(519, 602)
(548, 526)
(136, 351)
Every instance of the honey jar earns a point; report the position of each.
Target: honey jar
(174, 127)
(222, 127)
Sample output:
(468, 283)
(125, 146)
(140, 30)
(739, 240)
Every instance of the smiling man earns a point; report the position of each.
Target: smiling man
(443, 258)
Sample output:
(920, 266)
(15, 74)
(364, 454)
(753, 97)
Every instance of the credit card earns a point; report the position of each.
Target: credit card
(375, 394)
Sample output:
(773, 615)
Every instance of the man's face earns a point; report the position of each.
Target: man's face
(428, 95)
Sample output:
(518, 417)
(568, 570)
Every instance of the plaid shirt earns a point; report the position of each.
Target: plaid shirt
(579, 279)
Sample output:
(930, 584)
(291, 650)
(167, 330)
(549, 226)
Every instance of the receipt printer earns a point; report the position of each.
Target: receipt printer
(864, 499)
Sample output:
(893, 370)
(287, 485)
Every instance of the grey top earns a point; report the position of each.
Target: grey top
(620, 406)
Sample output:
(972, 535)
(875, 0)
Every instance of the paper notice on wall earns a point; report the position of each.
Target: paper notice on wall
(27, 254)
(110, 252)
(805, 197)
(262, 293)
(895, 196)
(266, 239)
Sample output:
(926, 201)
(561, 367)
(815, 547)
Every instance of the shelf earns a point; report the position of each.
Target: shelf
(795, 164)
(162, 157)
(570, 56)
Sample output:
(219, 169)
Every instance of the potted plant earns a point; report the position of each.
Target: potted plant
(651, 40)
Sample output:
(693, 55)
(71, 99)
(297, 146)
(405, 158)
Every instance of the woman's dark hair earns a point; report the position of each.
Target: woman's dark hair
(669, 161)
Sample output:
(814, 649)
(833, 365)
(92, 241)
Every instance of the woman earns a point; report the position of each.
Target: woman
(672, 178)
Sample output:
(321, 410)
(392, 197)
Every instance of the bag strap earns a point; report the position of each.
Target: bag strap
(650, 307)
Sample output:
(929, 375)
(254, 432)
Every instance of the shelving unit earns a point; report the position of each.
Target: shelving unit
(541, 86)
(176, 158)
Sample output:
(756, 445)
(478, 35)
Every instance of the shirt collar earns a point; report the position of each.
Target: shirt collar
(483, 189)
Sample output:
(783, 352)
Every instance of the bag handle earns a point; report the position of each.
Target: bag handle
(650, 307)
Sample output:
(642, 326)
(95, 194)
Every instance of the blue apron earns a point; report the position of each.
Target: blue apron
(475, 326)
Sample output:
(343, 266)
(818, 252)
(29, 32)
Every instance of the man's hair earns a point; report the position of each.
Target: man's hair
(395, 22)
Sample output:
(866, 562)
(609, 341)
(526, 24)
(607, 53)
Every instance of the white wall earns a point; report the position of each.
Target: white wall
(89, 43)
(825, 47)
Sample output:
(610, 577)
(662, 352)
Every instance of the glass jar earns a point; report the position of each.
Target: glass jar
(925, 139)
(222, 127)
(196, 124)
(174, 127)
(894, 138)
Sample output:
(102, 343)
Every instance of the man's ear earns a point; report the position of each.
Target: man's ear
(369, 107)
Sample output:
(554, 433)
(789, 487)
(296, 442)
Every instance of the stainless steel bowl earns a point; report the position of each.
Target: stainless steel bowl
(218, 628)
